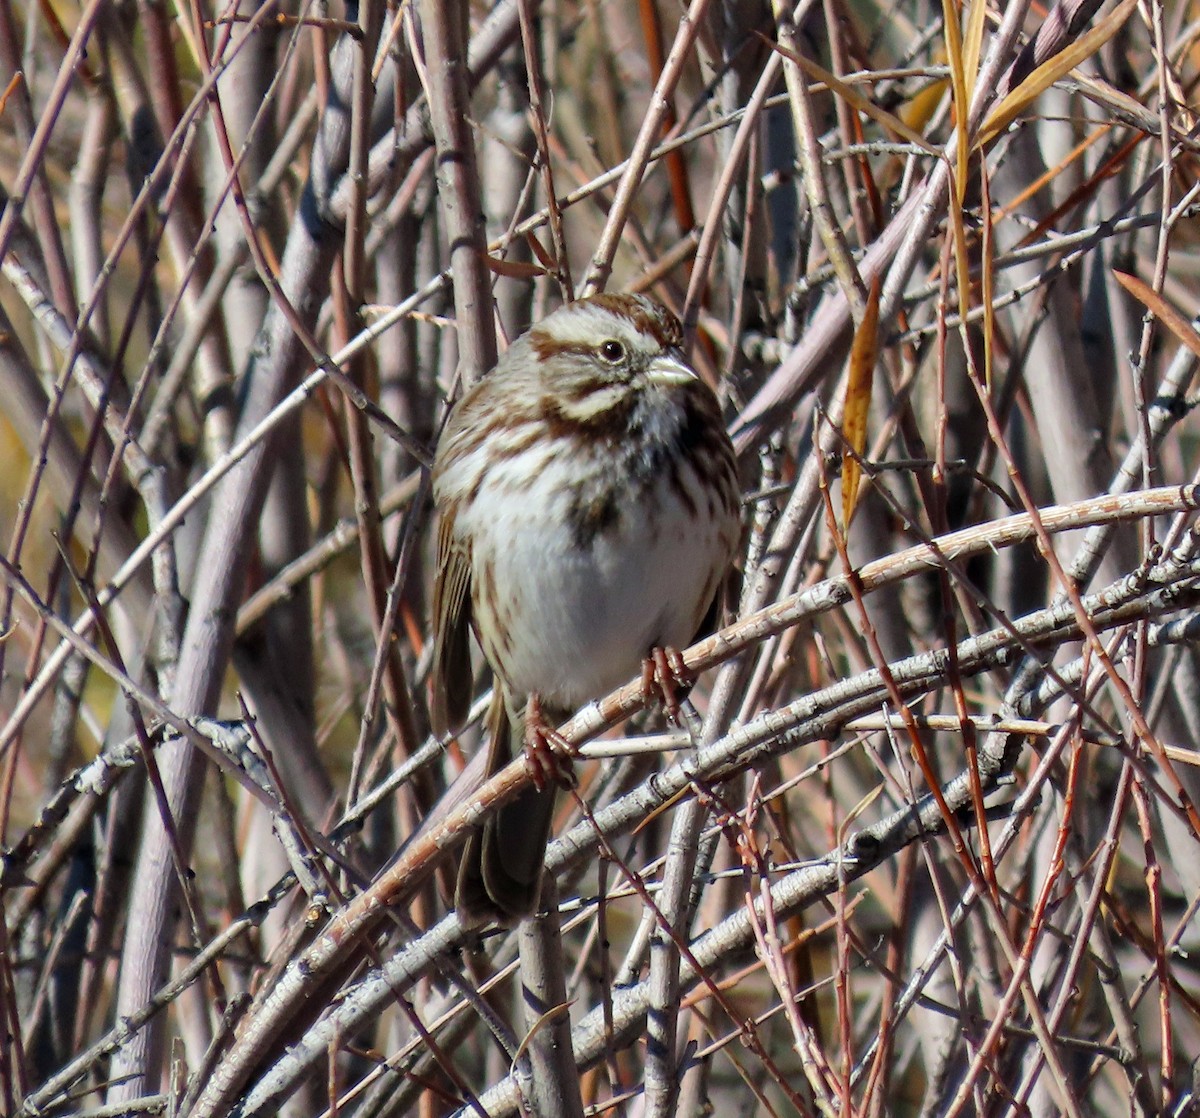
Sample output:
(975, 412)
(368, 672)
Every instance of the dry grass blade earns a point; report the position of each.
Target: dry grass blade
(1173, 319)
(960, 92)
(1021, 99)
(853, 97)
(973, 45)
(859, 384)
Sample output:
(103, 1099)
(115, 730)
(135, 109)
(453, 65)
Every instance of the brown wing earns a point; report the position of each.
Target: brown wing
(451, 631)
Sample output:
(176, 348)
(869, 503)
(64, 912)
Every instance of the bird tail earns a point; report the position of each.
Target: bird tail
(500, 876)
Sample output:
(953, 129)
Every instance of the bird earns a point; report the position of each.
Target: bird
(588, 512)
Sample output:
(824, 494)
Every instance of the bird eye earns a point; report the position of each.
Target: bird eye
(612, 351)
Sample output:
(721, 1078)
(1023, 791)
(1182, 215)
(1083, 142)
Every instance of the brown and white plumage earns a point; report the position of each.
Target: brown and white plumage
(588, 509)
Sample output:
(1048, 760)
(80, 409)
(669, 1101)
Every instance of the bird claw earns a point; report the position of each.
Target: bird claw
(548, 755)
(665, 676)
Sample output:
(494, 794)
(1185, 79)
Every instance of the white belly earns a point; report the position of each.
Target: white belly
(580, 614)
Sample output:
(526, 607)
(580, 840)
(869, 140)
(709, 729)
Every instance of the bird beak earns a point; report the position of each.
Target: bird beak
(670, 370)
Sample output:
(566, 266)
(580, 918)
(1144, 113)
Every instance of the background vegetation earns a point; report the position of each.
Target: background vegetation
(930, 844)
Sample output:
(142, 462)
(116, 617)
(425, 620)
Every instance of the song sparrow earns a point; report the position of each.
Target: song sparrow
(589, 510)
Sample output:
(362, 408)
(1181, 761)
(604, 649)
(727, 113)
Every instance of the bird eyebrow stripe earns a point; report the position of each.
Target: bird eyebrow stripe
(546, 346)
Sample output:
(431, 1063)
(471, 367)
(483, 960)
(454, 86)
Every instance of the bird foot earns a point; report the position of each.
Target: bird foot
(665, 676)
(548, 755)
